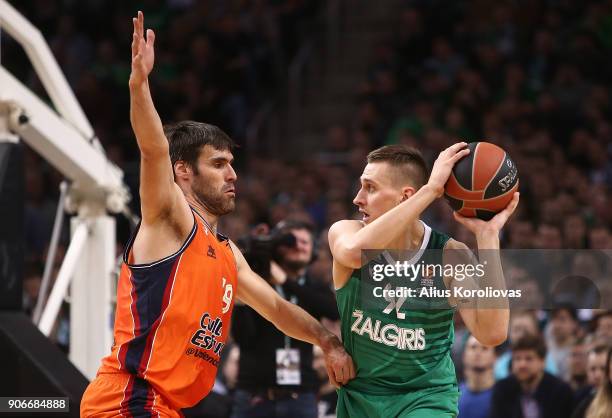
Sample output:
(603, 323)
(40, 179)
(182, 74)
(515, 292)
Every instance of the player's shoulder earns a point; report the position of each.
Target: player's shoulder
(345, 226)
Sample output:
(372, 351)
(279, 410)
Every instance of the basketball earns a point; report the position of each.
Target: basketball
(483, 182)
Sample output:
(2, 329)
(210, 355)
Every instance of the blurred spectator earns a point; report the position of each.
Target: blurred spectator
(267, 386)
(578, 371)
(599, 238)
(522, 323)
(598, 403)
(596, 365)
(548, 236)
(603, 326)
(230, 368)
(574, 232)
(476, 390)
(521, 234)
(560, 336)
(602, 403)
(530, 391)
(32, 278)
(327, 396)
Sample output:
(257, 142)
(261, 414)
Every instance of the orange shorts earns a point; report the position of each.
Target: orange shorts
(124, 395)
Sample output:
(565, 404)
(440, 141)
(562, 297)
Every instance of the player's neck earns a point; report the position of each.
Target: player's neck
(477, 381)
(530, 385)
(413, 238)
(199, 207)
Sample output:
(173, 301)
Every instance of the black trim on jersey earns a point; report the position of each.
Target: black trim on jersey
(222, 237)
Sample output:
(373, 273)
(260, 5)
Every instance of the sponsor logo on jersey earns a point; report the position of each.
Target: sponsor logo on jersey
(211, 252)
(412, 339)
(208, 335)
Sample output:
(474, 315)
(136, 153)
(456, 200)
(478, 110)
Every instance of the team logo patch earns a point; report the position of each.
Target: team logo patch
(211, 252)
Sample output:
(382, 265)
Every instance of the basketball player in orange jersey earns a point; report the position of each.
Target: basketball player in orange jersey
(180, 277)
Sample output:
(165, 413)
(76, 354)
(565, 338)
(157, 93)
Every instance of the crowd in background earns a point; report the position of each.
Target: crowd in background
(533, 77)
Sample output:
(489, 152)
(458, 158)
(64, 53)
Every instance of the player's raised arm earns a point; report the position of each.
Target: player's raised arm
(346, 240)
(158, 192)
(292, 320)
(486, 318)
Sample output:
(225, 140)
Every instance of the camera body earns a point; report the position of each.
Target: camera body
(260, 250)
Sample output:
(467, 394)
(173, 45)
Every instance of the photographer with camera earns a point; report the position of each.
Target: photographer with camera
(276, 376)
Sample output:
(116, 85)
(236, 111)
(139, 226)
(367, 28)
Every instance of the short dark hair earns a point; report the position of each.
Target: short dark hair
(186, 139)
(532, 343)
(288, 225)
(599, 348)
(407, 159)
(564, 306)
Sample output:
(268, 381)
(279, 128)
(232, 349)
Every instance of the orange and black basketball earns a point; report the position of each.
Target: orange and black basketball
(483, 182)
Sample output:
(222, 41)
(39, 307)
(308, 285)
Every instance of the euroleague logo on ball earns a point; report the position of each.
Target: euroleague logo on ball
(508, 180)
(483, 182)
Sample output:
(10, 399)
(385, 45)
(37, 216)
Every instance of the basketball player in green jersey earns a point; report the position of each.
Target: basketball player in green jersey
(404, 368)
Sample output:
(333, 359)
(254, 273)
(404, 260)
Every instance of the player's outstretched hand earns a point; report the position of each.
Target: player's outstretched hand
(444, 164)
(495, 224)
(143, 54)
(340, 366)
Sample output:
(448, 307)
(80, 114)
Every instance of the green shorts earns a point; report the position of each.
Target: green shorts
(435, 402)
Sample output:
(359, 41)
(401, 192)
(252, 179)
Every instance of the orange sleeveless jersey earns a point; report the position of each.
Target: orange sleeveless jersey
(172, 320)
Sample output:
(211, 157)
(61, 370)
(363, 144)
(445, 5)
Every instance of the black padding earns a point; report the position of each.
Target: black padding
(11, 227)
(33, 366)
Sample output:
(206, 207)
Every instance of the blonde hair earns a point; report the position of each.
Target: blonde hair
(408, 160)
(601, 407)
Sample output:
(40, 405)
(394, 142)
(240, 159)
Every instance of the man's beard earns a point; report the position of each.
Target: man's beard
(529, 379)
(215, 202)
(294, 265)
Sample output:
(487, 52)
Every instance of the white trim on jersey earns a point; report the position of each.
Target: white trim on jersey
(419, 253)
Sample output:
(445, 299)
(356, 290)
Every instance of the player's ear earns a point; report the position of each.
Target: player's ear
(407, 192)
(181, 170)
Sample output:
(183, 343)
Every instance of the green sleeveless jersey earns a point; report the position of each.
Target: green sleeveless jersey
(398, 347)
